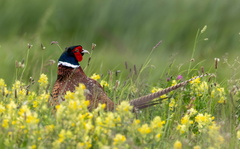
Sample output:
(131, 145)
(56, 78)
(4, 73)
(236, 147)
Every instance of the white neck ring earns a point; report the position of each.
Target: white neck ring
(67, 64)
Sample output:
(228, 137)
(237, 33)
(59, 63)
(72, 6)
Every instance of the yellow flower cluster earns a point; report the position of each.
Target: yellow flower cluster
(203, 120)
(95, 76)
(199, 88)
(195, 81)
(26, 120)
(238, 134)
(119, 139)
(177, 145)
(3, 88)
(186, 122)
(145, 129)
(219, 94)
(103, 83)
(205, 125)
(2, 83)
(43, 80)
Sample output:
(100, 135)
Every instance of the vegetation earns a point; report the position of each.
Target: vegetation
(141, 47)
(200, 116)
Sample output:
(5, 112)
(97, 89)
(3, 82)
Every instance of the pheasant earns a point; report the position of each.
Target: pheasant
(70, 75)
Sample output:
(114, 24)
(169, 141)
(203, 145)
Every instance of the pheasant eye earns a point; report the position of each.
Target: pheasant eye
(75, 50)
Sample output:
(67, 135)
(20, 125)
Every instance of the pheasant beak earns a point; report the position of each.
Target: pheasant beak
(79, 55)
(85, 51)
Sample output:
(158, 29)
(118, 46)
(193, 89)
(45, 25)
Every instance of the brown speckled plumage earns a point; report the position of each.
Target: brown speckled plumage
(68, 78)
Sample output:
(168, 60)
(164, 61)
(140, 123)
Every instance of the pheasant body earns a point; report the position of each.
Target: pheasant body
(70, 75)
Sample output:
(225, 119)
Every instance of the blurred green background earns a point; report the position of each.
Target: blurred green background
(124, 31)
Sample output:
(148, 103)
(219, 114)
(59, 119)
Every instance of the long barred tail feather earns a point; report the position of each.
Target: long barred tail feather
(146, 101)
(150, 103)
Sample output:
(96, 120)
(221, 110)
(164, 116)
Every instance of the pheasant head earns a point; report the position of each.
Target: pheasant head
(71, 56)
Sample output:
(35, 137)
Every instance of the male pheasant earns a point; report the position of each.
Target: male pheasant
(70, 75)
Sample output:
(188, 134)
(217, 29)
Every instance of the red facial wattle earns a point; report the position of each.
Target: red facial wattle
(77, 53)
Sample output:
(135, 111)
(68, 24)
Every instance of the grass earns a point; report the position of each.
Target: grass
(125, 33)
(203, 114)
(131, 38)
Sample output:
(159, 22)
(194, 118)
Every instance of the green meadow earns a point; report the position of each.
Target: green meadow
(141, 47)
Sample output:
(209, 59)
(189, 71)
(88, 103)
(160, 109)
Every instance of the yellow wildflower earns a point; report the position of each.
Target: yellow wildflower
(85, 145)
(5, 91)
(69, 95)
(203, 86)
(5, 123)
(222, 100)
(35, 104)
(172, 104)
(32, 119)
(95, 76)
(186, 120)
(157, 123)
(33, 146)
(136, 121)
(2, 108)
(24, 110)
(43, 80)
(213, 92)
(154, 89)
(196, 81)
(182, 128)
(192, 111)
(49, 128)
(88, 125)
(177, 145)
(203, 120)
(158, 136)
(109, 120)
(103, 106)
(124, 107)
(14, 122)
(238, 134)
(58, 106)
(11, 106)
(197, 147)
(17, 85)
(200, 88)
(104, 83)
(73, 105)
(2, 83)
(79, 91)
(86, 103)
(119, 139)
(61, 135)
(82, 86)
(220, 139)
(219, 93)
(145, 129)
(174, 82)
(69, 134)
(99, 121)
(80, 145)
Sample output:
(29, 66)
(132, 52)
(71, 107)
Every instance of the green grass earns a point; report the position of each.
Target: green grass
(125, 33)
(204, 113)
